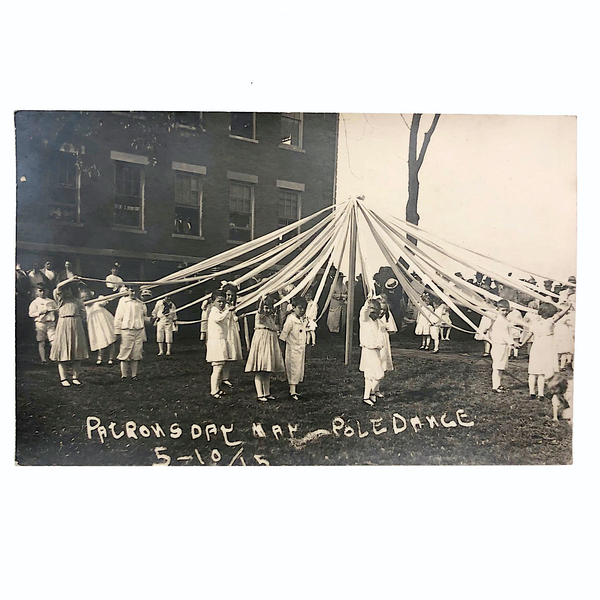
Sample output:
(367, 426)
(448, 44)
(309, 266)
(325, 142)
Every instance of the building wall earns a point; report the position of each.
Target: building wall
(95, 243)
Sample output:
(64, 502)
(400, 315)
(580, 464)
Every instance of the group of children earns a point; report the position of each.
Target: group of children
(62, 322)
(435, 325)
(223, 342)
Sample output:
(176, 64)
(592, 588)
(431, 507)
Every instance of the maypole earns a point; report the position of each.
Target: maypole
(351, 280)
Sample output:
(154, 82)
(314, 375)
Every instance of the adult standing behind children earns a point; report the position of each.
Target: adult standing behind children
(336, 317)
(69, 345)
(113, 281)
(130, 320)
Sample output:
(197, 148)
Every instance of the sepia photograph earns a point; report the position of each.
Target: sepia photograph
(257, 288)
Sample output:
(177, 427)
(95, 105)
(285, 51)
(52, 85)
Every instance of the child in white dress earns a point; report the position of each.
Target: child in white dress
(564, 335)
(442, 316)
(543, 358)
(130, 323)
(294, 336)
(100, 325)
(484, 327)
(234, 340)
(371, 342)
(165, 318)
(515, 317)
(265, 355)
(221, 346)
(43, 310)
(312, 312)
(423, 325)
(389, 327)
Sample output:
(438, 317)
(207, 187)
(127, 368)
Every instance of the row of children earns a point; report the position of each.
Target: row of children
(60, 321)
(498, 331)
(433, 327)
(223, 343)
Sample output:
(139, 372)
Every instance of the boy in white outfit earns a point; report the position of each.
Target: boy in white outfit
(43, 310)
(501, 338)
(294, 336)
(130, 320)
(165, 317)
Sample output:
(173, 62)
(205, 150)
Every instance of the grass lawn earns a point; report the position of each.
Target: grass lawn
(173, 419)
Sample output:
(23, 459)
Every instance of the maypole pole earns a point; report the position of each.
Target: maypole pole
(351, 281)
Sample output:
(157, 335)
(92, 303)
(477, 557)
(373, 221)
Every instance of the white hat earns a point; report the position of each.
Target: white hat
(391, 284)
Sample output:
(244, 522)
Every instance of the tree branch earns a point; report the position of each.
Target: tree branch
(426, 139)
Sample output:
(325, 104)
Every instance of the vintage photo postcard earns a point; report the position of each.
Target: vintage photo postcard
(261, 288)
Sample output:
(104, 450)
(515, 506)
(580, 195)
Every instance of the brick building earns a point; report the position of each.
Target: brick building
(155, 190)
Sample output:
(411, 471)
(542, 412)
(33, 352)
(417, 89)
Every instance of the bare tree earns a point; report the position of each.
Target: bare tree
(415, 160)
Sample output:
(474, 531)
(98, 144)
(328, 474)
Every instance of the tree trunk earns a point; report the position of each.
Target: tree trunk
(414, 165)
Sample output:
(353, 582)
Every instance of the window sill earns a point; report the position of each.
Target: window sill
(182, 236)
(67, 223)
(244, 139)
(292, 148)
(128, 229)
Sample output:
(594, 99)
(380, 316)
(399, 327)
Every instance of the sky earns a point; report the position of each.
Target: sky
(504, 186)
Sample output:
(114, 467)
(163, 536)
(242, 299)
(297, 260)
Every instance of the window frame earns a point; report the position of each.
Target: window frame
(248, 180)
(141, 162)
(295, 147)
(199, 172)
(290, 186)
(253, 139)
(67, 149)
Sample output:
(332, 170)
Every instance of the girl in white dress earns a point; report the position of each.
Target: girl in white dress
(100, 325)
(543, 358)
(219, 347)
(371, 343)
(312, 312)
(265, 355)
(234, 341)
(423, 325)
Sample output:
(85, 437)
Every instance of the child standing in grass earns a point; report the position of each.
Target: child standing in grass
(100, 324)
(388, 324)
(484, 327)
(312, 312)
(165, 317)
(43, 310)
(372, 343)
(265, 356)
(543, 358)
(423, 324)
(223, 345)
(130, 320)
(294, 336)
(500, 337)
(69, 344)
(515, 318)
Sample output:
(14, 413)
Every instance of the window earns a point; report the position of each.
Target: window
(63, 179)
(243, 125)
(289, 205)
(188, 204)
(189, 120)
(291, 129)
(241, 211)
(129, 195)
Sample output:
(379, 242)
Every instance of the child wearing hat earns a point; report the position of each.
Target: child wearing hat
(43, 310)
(130, 320)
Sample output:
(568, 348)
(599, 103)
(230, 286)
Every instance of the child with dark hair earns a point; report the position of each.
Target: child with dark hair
(234, 341)
(501, 338)
(69, 345)
(543, 357)
(165, 317)
(371, 343)
(43, 309)
(265, 356)
(130, 323)
(312, 312)
(294, 336)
